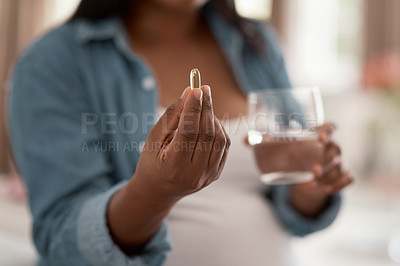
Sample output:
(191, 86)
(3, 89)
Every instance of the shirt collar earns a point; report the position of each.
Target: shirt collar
(107, 29)
(86, 31)
(226, 34)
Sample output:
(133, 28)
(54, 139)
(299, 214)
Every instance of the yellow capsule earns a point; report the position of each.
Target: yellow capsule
(195, 80)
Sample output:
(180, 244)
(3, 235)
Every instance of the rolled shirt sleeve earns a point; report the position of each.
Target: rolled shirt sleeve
(68, 188)
(293, 221)
(97, 246)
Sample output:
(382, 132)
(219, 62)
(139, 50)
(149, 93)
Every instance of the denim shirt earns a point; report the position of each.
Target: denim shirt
(69, 92)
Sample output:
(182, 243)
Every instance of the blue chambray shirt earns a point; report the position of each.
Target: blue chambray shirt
(83, 68)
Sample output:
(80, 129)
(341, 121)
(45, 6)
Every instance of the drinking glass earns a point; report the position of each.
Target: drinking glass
(283, 131)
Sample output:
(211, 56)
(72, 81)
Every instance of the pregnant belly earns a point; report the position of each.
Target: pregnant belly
(218, 227)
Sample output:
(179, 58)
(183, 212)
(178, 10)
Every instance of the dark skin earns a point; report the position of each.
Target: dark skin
(163, 34)
(185, 151)
(330, 177)
(173, 39)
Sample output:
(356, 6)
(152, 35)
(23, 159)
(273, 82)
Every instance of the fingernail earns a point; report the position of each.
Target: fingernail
(328, 190)
(198, 93)
(183, 93)
(208, 90)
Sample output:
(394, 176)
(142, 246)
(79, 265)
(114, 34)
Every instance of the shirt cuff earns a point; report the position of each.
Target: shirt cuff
(97, 245)
(296, 223)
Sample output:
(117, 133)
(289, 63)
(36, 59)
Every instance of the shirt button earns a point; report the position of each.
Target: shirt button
(141, 146)
(148, 83)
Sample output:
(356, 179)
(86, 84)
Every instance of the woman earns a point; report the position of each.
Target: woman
(101, 183)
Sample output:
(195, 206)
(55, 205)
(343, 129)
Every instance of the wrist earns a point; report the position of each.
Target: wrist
(306, 193)
(135, 214)
(140, 189)
(306, 202)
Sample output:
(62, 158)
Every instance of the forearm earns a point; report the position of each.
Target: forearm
(134, 215)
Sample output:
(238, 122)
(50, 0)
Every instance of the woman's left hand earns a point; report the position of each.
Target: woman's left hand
(330, 177)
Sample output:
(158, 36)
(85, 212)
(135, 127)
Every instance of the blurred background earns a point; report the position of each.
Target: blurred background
(348, 48)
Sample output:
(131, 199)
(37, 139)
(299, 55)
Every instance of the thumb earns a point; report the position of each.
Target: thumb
(168, 122)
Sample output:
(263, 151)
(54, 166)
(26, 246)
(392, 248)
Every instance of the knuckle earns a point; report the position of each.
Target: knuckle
(333, 146)
(333, 150)
(195, 109)
(208, 134)
(207, 106)
(210, 181)
(218, 127)
(171, 110)
(189, 134)
(217, 176)
(220, 141)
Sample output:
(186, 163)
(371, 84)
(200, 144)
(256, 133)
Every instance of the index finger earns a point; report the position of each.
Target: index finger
(185, 139)
(168, 122)
(206, 129)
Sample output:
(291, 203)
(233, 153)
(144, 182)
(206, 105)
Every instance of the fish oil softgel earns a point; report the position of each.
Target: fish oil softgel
(195, 79)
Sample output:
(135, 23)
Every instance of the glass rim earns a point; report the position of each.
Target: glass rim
(255, 97)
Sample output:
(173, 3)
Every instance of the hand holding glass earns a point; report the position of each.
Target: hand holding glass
(283, 133)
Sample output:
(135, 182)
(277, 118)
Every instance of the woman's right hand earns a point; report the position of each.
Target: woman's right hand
(186, 150)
